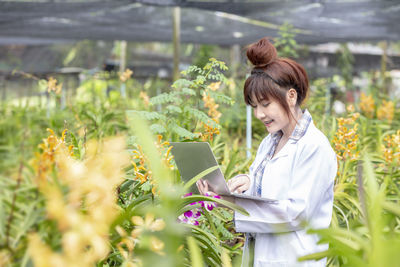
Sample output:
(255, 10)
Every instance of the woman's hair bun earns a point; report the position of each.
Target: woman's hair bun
(261, 53)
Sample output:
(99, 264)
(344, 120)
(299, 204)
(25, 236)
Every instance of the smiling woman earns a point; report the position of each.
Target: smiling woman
(295, 165)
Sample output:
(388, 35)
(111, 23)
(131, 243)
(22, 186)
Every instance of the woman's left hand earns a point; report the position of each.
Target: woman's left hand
(202, 185)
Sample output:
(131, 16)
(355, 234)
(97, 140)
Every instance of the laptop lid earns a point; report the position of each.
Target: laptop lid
(192, 158)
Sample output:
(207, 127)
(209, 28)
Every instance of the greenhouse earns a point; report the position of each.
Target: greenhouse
(199, 133)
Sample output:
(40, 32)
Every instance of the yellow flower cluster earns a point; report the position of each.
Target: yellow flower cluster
(44, 161)
(346, 138)
(125, 75)
(152, 225)
(350, 108)
(5, 258)
(386, 111)
(391, 149)
(209, 132)
(53, 87)
(209, 102)
(129, 241)
(84, 214)
(140, 162)
(367, 105)
(143, 95)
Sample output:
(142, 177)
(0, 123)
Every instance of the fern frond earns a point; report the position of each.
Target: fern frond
(194, 69)
(187, 91)
(182, 83)
(157, 128)
(165, 98)
(148, 115)
(180, 131)
(200, 115)
(173, 109)
(221, 98)
(200, 79)
(225, 233)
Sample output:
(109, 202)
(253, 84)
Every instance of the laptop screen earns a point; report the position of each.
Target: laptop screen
(191, 158)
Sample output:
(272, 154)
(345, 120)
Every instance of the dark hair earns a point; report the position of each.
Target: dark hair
(272, 76)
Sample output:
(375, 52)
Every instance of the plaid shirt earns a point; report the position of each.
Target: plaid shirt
(299, 131)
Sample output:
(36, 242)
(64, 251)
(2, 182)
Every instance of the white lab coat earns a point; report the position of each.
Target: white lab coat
(301, 177)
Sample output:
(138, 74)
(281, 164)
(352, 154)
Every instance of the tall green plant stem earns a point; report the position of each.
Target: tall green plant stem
(361, 190)
(11, 217)
(216, 234)
(389, 180)
(345, 167)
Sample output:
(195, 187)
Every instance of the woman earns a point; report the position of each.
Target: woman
(294, 165)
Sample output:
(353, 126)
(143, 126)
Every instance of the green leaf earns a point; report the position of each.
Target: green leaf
(157, 128)
(200, 79)
(391, 207)
(180, 131)
(181, 83)
(203, 117)
(190, 207)
(221, 217)
(148, 115)
(315, 256)
(221, 98)
(205, 234)
(194, 198)
(195, 253)
(146, 186)
(165, 98)
(173, 109)
(188, 91)
(199, 176)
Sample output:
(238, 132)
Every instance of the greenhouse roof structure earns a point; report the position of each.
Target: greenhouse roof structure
(223, 22)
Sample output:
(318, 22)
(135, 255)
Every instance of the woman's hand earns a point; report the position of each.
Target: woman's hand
(239, 183)
(202, 185)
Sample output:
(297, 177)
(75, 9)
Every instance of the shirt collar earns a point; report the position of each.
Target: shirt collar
(299, 130)
(301, 126)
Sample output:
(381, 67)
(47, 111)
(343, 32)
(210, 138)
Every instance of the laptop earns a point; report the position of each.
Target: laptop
(192, 158)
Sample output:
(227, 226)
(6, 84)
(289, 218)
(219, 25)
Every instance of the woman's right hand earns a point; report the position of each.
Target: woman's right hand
(239, 183)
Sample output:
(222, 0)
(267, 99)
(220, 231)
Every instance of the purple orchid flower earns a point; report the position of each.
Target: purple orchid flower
(191, 216)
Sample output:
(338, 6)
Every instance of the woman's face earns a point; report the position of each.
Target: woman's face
(271, 113)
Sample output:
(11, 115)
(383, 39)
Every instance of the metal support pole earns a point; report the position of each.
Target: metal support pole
(48, 105)
(122, 66)
(384, 61)
(328, 99)
(176, 21)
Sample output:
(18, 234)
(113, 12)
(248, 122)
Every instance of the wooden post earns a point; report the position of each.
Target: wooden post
(176, 21)
(3, 87)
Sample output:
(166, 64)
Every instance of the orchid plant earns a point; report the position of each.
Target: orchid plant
(201, 206)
